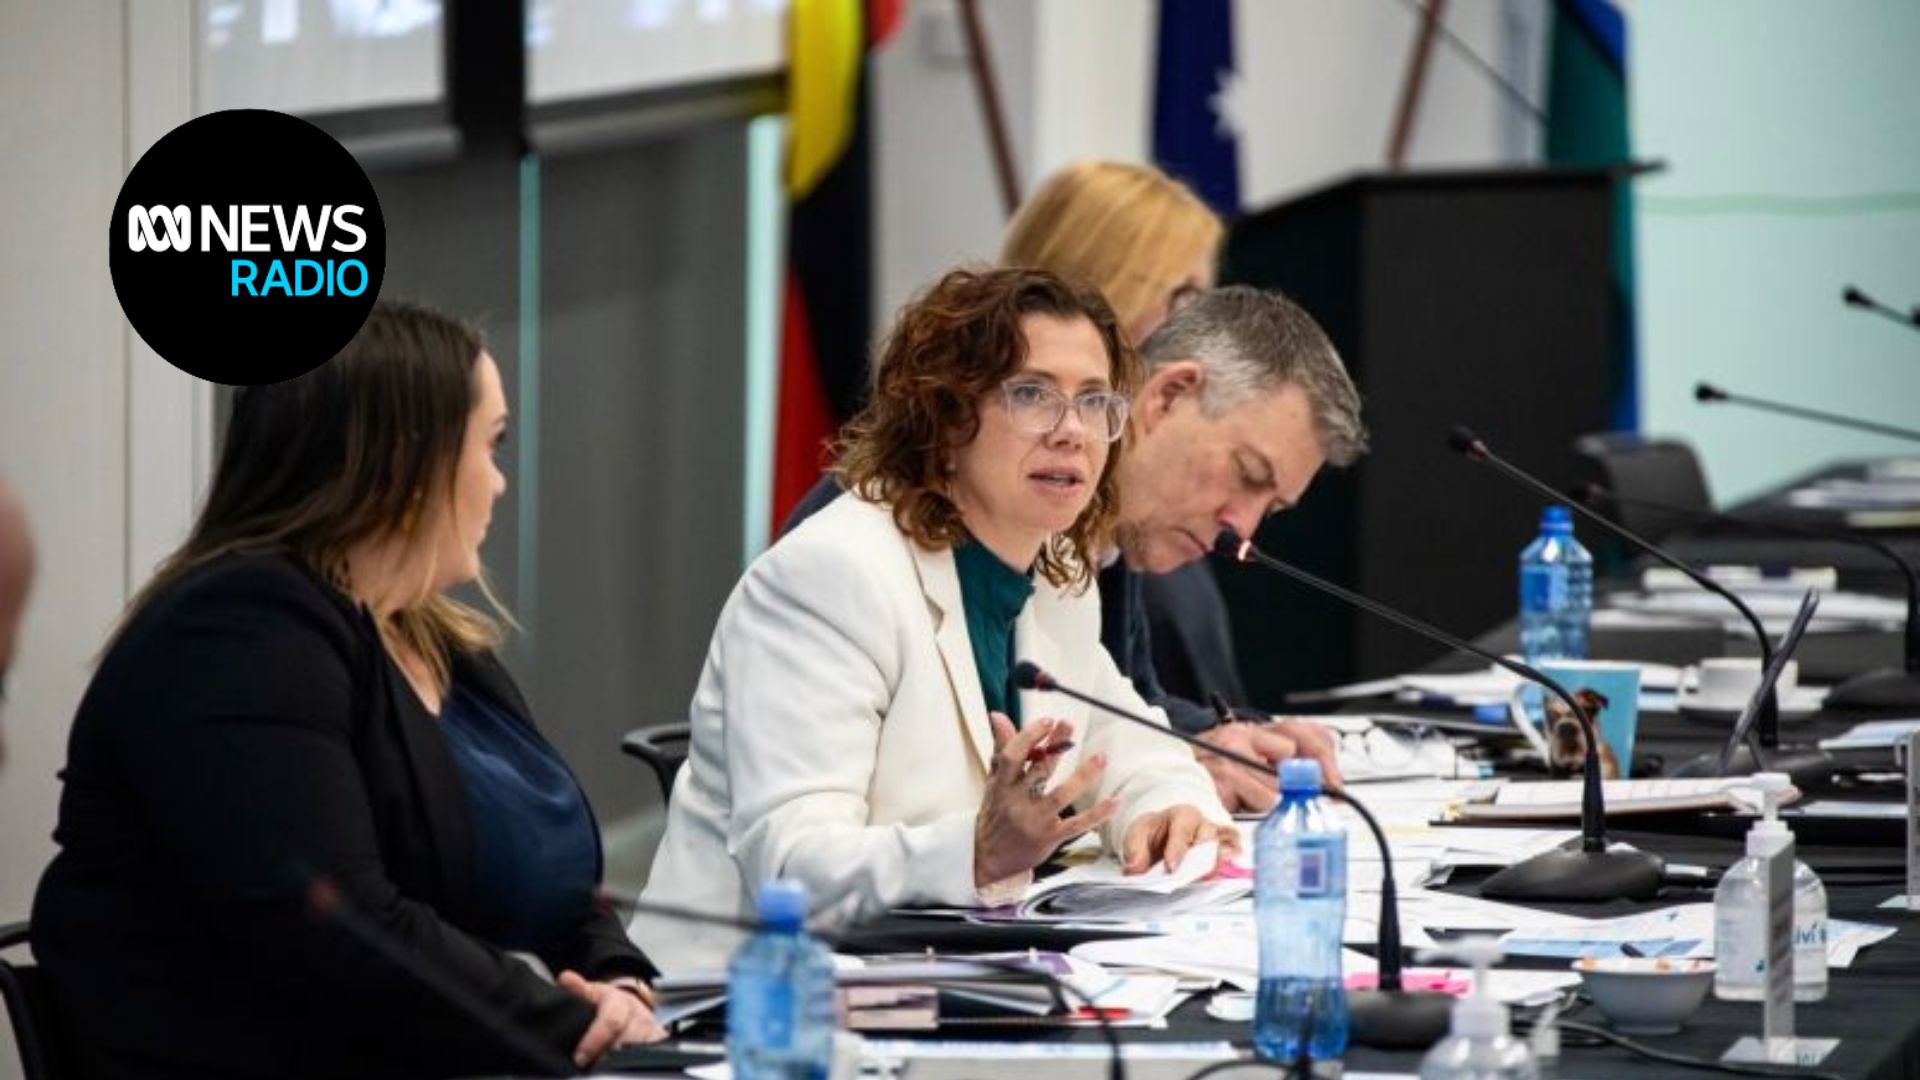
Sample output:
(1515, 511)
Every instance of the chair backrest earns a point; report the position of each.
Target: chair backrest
(29, 1003)
(663, 747)
(1641, 469)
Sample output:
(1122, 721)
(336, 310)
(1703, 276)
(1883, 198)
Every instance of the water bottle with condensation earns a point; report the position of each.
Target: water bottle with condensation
(1299, 907)
(780, 994)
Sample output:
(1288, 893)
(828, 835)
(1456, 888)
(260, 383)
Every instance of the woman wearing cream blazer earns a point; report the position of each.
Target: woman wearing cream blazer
(855, 726)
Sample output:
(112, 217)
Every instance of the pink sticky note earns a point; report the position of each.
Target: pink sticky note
(1231, 871)
(1436, 981)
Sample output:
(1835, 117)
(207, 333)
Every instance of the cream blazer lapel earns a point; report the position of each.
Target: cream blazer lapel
(1033, 641)
(940, 582)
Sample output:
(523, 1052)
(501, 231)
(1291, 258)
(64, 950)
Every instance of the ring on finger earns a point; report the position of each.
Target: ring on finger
(1037, 787)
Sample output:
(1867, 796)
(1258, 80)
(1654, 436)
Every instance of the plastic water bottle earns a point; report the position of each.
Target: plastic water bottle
(1300, 906)
(1556, 591)
(1740, 914)
(780, 1004)
(1479, 1043)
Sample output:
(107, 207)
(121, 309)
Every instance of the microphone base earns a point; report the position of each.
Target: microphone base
(1887, 688)
(1804, 765)
(1578, 876)
(1398, 1019)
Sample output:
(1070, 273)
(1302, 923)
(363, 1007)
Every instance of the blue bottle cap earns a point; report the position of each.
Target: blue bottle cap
(783, 904)
(1556, 519)
(1300, 776)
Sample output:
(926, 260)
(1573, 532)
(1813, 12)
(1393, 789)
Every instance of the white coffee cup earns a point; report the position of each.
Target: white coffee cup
(1728, 682)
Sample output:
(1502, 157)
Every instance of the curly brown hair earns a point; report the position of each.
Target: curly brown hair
(949, 348)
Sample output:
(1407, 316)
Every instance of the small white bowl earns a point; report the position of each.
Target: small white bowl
(1646, 995)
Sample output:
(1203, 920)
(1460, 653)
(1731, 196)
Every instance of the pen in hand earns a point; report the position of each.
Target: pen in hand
(1043, 752)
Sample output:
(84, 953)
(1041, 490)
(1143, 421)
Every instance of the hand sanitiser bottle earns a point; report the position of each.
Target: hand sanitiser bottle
(1480, 1045)
(1740, 912)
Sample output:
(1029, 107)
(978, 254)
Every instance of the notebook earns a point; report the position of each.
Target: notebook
(1556, 800)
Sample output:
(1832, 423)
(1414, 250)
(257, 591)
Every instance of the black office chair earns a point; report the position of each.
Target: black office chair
(1641, 470)
(30, 1010)
(663, 747)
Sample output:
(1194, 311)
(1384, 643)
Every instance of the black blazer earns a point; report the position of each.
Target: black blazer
(245, 735)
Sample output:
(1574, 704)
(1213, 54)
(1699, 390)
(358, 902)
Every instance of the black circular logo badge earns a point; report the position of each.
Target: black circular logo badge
(247, 247)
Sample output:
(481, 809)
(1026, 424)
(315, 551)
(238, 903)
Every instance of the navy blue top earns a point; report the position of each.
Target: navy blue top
(536, 858)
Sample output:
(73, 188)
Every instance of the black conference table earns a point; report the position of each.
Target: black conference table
(1873, 1007)
(1858, 567)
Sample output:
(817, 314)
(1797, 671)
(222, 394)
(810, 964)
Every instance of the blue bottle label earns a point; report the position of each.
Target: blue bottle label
(1306, 869)
(1541, 589)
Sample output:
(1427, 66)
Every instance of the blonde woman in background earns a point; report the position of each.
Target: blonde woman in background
(1138, 235)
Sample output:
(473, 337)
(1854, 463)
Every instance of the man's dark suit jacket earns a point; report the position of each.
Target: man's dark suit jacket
(1153, 625)
(245, 737)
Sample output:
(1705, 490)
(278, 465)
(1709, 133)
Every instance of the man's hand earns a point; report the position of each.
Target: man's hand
(1244, 791)
(1316, 741)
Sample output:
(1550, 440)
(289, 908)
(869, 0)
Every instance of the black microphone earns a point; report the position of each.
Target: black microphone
(326, 904)
(1391, 1017)
(1472, 447)
(1884, 688)
(1593, 872)
(1854, 297)
(1709, 394)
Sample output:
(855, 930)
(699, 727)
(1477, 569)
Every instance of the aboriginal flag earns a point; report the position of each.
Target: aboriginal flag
(826, 314)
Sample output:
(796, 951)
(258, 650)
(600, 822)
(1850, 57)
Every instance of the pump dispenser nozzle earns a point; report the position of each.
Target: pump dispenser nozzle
(1478, 1015)
(1769, 834)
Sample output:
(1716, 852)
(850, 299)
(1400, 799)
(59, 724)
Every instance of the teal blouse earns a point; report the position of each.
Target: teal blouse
(993, 594)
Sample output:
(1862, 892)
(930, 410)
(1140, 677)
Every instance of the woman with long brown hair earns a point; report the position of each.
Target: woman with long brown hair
(300, 790)
(855, 726)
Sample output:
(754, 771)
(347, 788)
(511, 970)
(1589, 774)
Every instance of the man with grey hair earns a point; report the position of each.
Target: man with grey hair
(1245, 400)
(16, 574)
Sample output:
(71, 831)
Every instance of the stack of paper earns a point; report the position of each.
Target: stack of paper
(1775, 609)
(1235, 961)
(1102, 891)
(1557, 800)
(1123, 1000)
(1684, 931)
(1846, 493)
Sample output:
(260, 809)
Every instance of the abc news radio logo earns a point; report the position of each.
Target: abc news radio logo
(247, 247)
(246, 228)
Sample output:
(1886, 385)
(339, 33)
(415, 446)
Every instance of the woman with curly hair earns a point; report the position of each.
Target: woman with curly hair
(855, 726)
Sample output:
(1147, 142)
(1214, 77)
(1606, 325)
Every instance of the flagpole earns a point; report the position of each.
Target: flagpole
(988, 87)
(1416, 82)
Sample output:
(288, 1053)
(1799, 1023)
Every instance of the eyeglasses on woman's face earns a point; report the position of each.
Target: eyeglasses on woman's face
(1037, 409)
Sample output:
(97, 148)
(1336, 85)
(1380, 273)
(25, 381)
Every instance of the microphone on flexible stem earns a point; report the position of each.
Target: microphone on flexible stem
(1472, 447)
(1854, 297)
(326, 905)
(1883, 688)
(1593, 872)
(1709, 394)
(1390, 1017)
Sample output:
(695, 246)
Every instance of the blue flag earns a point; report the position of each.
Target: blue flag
(1196, 128)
